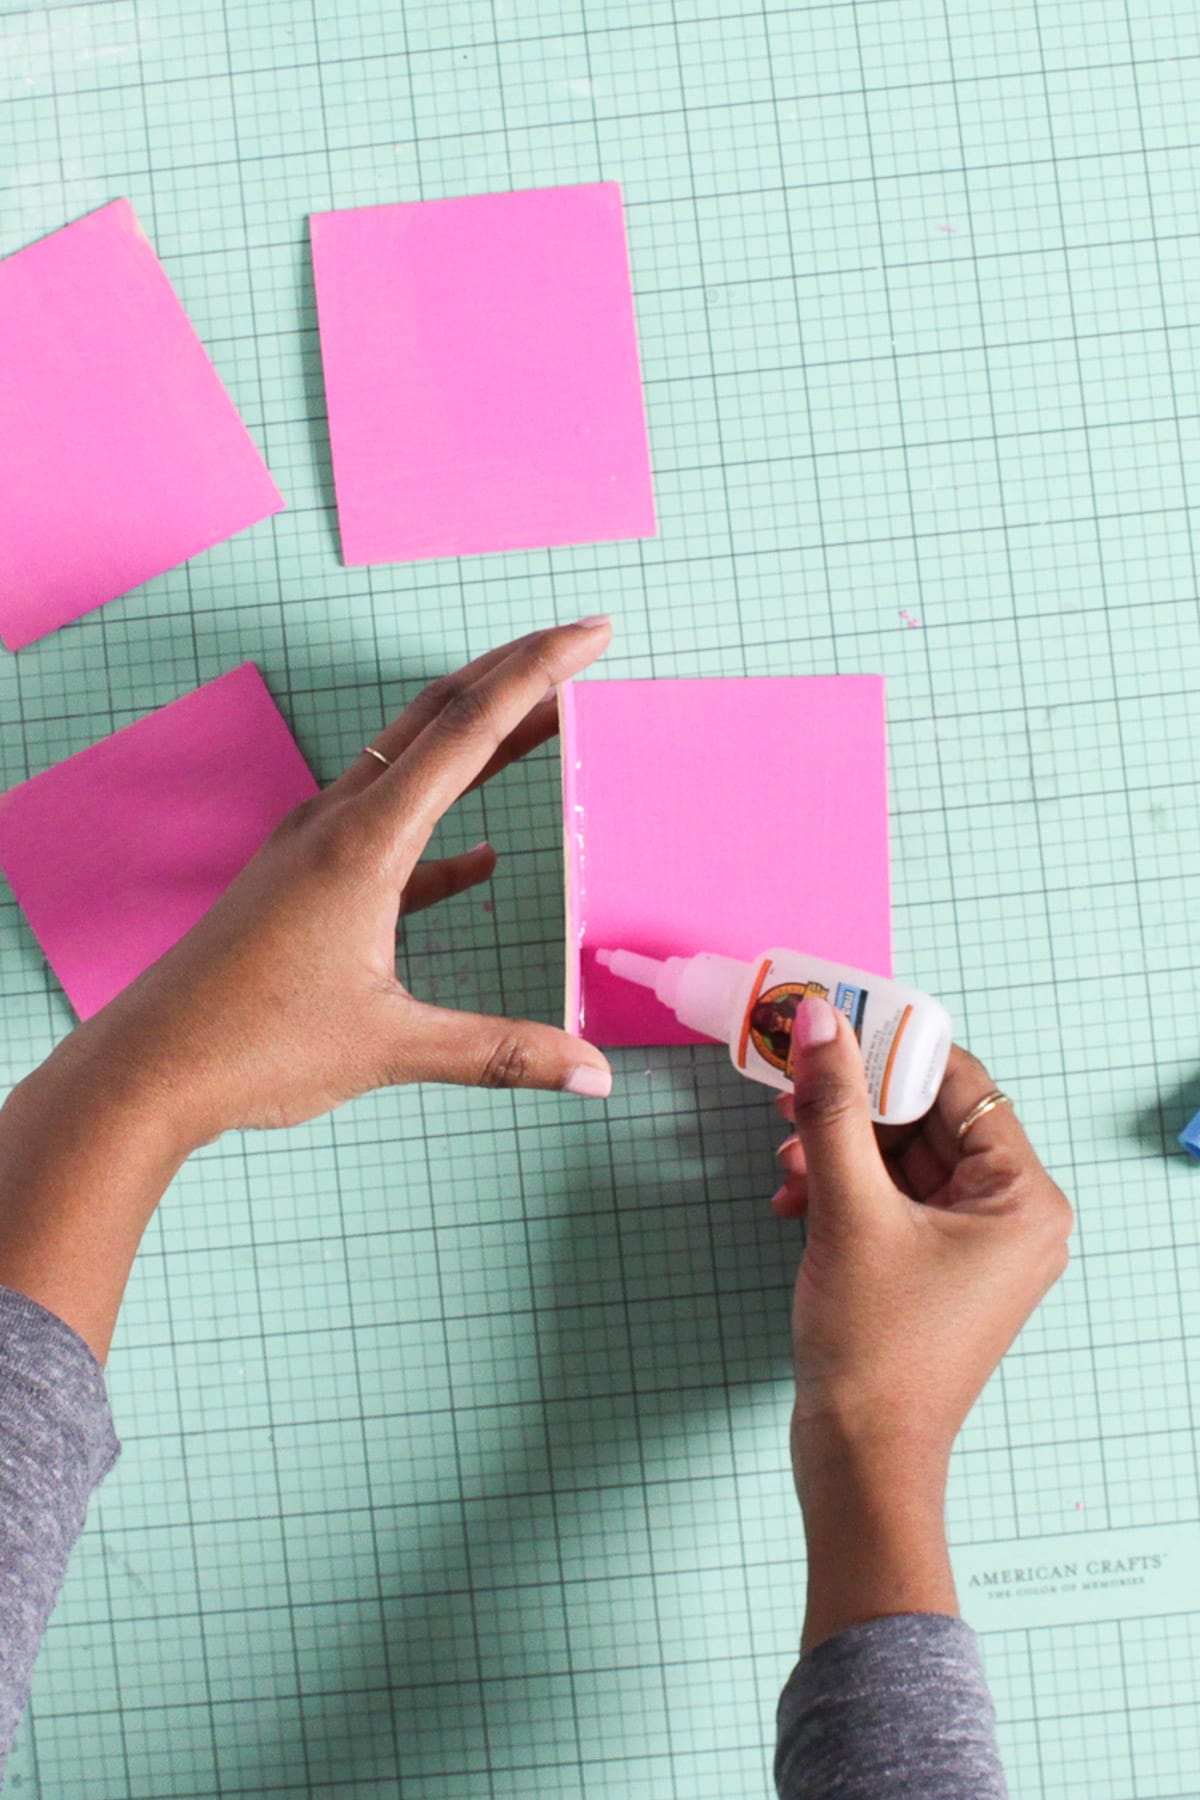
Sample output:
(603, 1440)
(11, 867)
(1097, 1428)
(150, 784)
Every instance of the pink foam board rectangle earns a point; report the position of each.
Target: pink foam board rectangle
(731, 815)
(123, 455)
(115, 853)
(481, 374)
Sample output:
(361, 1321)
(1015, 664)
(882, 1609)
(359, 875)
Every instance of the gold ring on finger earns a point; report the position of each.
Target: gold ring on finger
(980, 1110)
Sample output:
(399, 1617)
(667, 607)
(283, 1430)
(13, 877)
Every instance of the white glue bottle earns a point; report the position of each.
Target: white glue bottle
(904, 1035)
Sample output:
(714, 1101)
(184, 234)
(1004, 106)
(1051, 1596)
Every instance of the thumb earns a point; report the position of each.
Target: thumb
(832, 1111)
(476, 1050)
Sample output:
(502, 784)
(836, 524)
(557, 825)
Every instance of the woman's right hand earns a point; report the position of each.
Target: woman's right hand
(283, 1001)
(925, 1255)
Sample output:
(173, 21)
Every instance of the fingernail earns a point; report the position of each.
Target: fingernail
(589, 1082)
(787, 1144)
(779, 1196)
(593, 620)
(815, 1024)
(476, 848)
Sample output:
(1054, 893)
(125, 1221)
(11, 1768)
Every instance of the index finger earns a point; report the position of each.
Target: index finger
(406, 800)
(395, 737)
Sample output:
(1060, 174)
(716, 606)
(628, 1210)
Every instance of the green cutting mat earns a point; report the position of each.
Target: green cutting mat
(455, 1425)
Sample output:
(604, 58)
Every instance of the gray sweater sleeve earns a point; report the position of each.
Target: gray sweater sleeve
(896, 1709)
(56, 1445)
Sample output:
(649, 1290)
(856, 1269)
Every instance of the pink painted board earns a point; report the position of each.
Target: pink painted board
(733, 815)
(481, 374)
(122, 454)
(115, 853)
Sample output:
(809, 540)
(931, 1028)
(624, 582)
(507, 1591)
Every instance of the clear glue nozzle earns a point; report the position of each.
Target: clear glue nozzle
(645, 970)
(702, 991)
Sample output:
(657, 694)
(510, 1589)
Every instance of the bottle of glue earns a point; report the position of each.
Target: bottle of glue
(904, 1035)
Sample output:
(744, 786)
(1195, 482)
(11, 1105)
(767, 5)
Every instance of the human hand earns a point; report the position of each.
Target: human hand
(924, 1256)
(283, 1001)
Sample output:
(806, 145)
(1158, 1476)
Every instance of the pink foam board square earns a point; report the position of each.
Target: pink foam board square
(115, 853)
(481, 374)
(123, 454)
(732, 815)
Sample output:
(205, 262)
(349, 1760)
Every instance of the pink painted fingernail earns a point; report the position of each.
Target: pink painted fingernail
(593, 620)
(476, 848)
(787, 1144)
(779, 1196)
(815, 1024)
(589, 1082)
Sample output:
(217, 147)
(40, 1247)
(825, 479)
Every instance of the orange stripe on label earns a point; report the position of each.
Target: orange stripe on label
(905, 1016)
(755, 991)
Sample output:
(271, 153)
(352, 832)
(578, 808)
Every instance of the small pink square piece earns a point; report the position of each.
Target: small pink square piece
(481, 374)
(115, 853)
(728, 815)
(123, 454)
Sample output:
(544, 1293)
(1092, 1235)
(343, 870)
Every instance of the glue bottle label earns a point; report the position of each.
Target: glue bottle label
(763, 1045)
(771, 1012)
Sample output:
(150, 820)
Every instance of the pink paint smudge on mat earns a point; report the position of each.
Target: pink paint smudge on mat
(481, 374)
(124, 455)
(115, 853)
(730, 815)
